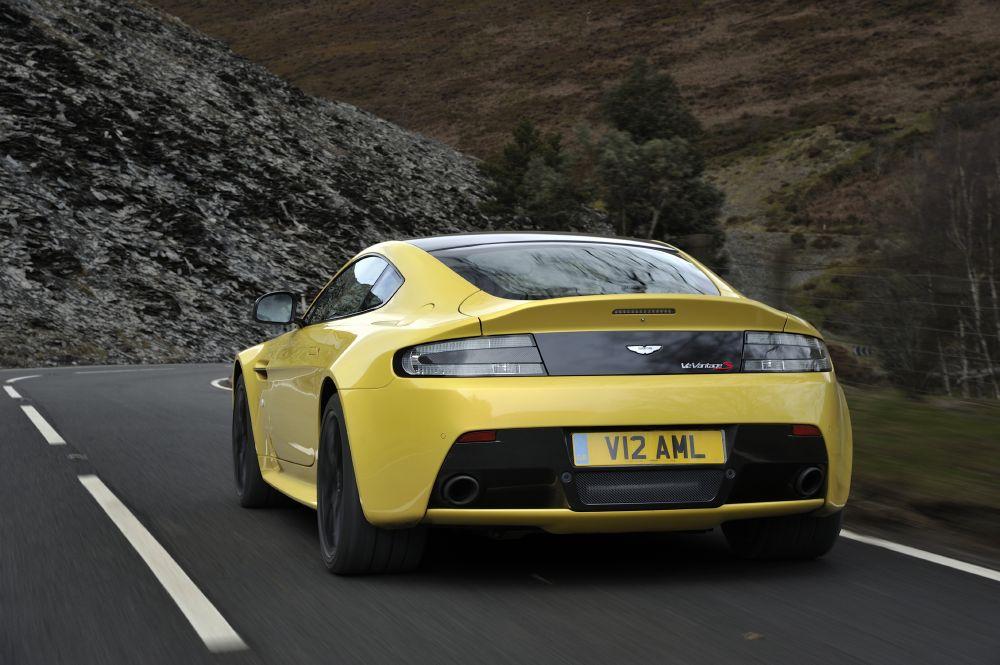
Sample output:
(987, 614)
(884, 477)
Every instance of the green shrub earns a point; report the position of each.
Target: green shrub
(645, 170)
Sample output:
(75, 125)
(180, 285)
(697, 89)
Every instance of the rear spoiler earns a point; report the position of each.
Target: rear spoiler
(621, 312)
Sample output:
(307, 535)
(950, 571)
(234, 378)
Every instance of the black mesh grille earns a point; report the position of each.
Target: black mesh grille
(604, 488)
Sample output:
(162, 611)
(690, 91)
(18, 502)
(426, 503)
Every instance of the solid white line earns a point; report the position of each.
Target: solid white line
(13, 393)
(218, 384)
(982, 571)
(49, 432)
(210, 625)
(119, 371)
(18, 378)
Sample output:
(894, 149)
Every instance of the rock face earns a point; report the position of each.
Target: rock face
(152, 184)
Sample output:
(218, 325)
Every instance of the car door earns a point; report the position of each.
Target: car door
(295, 372)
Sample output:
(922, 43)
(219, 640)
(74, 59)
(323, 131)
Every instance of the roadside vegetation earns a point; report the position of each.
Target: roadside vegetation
(926, 296)
(927, 463)
(641, 171)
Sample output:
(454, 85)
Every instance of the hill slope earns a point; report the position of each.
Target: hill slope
(152, 184)
(463, 72)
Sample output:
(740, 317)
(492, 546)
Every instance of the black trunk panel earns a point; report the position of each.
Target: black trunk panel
(607, 353)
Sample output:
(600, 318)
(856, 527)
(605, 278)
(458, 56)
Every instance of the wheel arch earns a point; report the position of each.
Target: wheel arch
(327, 390)
(253, 384)
(237, 373)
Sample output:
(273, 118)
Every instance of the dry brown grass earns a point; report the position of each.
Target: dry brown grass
(464, 72)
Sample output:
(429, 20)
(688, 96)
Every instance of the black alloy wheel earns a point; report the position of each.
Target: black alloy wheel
(349, 543)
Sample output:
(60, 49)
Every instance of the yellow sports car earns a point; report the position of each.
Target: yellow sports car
(540, 381)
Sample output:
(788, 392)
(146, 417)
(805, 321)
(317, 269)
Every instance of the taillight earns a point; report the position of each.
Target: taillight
(784, 352)
(499, 355)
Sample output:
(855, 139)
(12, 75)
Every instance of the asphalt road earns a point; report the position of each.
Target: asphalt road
(74, 590)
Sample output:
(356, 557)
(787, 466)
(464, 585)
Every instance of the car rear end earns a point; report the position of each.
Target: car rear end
(672, 404)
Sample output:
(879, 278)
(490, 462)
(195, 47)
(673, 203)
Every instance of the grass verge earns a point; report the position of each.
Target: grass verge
(927, 469)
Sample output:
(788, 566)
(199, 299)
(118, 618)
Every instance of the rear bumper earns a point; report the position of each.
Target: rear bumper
(402, 433)
(533, 468)
(564, 520)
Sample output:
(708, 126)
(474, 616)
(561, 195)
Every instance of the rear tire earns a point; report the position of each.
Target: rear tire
(349, 543)
(251, 489)
(788, 537)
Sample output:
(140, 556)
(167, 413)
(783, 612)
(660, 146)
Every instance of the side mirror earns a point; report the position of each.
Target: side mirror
(277, 307)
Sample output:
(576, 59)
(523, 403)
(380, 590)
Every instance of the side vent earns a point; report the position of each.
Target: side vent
(647, 310)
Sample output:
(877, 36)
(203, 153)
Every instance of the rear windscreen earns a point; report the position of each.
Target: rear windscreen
(540, 270)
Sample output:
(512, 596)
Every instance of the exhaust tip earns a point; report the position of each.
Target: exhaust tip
(460, 490)
(809, 481)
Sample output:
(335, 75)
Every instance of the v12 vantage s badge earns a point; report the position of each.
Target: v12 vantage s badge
(546, 390)
(724, 366)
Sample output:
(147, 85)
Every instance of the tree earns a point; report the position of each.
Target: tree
(654, 189)
(649, 171)
(646, 171)
(648, 105)
(937, 313)
(552, 199)
(530, 179)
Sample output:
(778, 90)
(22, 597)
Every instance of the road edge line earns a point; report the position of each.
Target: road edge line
(948, 562)
(207, 621)
(21, 378)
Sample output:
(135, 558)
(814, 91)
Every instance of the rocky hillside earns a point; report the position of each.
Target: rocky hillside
(152, 184)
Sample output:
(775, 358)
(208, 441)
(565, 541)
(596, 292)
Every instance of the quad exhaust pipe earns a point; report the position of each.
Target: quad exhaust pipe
(460, 490)
(808, 481)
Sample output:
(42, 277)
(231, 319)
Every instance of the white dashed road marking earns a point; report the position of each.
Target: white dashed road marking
(13, 393)
(955, 564)
(218, 384)
(49, 432)
(210, 625)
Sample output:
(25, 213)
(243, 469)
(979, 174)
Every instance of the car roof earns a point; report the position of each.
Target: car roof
(454, 241)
